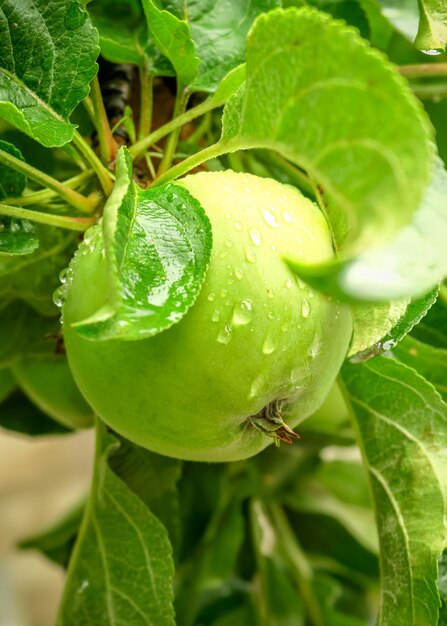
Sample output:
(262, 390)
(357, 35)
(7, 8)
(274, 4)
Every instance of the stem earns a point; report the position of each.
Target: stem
(211, 152)
(430, 92)
(146, 86)
(301, 179)
(201, 129)
(74, 198)
(60, 221)
(181, 101)
(47, 194)
(107, 144)
(138, 149)
(300, 567)
(88, 106)
(104, 176)
(423, 69)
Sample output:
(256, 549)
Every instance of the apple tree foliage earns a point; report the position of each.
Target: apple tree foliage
(347, 101)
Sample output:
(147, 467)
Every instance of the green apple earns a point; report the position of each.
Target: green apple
(255, 355)
(49, 384)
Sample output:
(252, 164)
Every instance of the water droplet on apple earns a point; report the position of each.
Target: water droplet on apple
(225, 334)
(433, 52)
(287, 217)
(228, 243)
(301, 284)
(63, 276)
(238, 273)
(223, 293)
(288, 283)
(238, 226)
(270, 344)
(59, 296)
(211, 297)
(250, 254)
(269, 218)
(216, 316)
(242, 313)
(305, 308)
(255, 236)
(270, 294)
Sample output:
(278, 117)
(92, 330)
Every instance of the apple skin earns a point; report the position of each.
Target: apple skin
(254, 336)
(49, 384)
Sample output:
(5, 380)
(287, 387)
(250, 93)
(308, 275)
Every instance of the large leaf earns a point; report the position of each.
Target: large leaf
(413, 262)
(402, 430)
(158, 244)
(219, 29)
(121, 570)
(371, 172)
(432, 33)
(432, 329)
(48, 51)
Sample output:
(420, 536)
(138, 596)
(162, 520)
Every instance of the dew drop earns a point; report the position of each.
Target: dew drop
(228, 243)
(269, 346)
(255, 236)
(238, 226)
(287, 217)
(434, 52)
(250, 254)
(63, 276)
(223, 254)
(269, 218)
(305, 308)
(271, 315)
(59, 296)
(223, 293)
(242, 313)
(216, 316)
(270, 294)
(256, 387)
(238, 273)
(225, 334)
(211, 297)
(301, 285)
(289, 284)
(227, 216)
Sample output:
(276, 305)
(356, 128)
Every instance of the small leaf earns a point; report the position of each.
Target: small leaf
(173, 37)
(370, 173)
(402, 430)
(229, 84)
(432, 32)
(158, 245)
(47, 62)
(399, 319)
(58, 541)
(16, 236)
(219, 29)
(410, 264)
(121, 571)
(20, 415)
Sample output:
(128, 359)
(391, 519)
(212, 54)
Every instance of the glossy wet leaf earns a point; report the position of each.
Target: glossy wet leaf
(218, 29)
(432, 32)
(402, 430)
(48, 58)
(173, 38)
(363, 163)
(157, 246)
(121, 571)
(411, 263)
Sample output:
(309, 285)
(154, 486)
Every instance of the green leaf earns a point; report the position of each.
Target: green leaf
(410, 264)
(130, 42)
(58, 541)
(158, 245)
(432, 329)
(399, 320)
(402, 430)
(173, 37)
(16, 236)
(219, 29)
(121, 570)
(370, 173)
(430, 362)
(20, 415)
(432, 32)
(7, 383)
(48, 55)
(34, 277)
(403, 14)
(153, 478)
